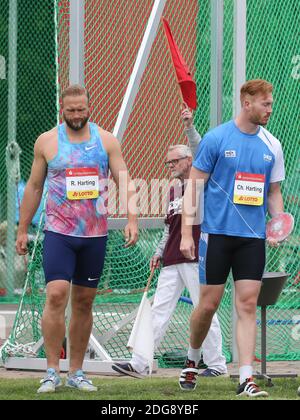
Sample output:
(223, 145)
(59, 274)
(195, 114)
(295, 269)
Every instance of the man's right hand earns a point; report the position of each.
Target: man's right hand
(21, 243)
(187, 247)
(154, 262)
(187, 116)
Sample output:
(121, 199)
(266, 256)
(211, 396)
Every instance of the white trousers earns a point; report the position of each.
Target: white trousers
(171, 282)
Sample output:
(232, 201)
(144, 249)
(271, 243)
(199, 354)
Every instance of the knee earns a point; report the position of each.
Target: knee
(246, 306)
(83, 305)
(208, 308)
(57, 300)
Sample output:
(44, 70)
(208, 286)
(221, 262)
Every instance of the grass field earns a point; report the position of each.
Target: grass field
(148, 389)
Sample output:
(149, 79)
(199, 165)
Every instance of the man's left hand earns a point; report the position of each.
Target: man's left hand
(273, 243)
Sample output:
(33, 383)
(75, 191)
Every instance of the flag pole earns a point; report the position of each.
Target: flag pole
(141, 340)
(149, 280)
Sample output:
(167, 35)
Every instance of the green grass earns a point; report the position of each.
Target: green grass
(147, 389)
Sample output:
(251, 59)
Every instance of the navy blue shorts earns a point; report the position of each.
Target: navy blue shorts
(72, 258)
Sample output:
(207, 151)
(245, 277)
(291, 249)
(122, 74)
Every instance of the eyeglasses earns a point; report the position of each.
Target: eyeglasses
(173, 162)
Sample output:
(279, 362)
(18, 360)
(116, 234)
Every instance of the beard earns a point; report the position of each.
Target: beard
(76, 126)
(175, 175)
(259, 120)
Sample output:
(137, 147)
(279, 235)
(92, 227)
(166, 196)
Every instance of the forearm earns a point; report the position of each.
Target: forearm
(127, 194)
(131, 229)
(132, 208)
(194, 139)
(162, 244)
(275, 203)
(187, 244)
(188, 211)
(30, 203)
(193, 197)
(187, 222)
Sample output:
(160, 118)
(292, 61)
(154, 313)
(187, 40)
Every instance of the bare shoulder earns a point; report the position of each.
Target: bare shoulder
(110, 142)
(46, 140)
(46, 137)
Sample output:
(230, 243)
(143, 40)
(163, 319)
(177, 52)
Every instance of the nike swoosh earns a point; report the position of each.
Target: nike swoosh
(90, 147)
(89, 279)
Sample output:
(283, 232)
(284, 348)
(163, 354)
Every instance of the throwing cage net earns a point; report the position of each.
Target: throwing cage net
(113, 33)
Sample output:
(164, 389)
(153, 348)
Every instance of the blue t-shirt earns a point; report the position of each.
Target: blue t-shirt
(241, 167)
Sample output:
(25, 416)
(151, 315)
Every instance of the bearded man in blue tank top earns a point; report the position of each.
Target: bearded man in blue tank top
(241, 164)
(75, 158)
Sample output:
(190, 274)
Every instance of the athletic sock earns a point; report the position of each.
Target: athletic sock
(194, 354)
(245, 373)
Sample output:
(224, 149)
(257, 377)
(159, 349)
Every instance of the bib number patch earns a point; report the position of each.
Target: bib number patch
(82, 183)
(249, 189)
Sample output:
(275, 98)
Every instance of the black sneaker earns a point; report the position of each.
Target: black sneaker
(188, 376)
(127, 369)
(250, 389)
(211, 373)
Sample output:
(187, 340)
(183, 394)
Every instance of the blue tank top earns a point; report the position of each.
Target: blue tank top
(77, 181)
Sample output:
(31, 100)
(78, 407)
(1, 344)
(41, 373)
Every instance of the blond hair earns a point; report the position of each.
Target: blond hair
(254, 87)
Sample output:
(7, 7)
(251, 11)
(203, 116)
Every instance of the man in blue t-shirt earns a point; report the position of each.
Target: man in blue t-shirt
(177, 272)
(241, 164)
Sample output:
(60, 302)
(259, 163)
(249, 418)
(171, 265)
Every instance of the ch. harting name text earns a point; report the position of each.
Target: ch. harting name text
(248, 188)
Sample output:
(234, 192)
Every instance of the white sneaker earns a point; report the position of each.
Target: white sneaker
(79, 381)
(250, 389)
(50, 382)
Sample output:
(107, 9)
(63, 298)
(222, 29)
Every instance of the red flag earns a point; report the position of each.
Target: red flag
(184, 77)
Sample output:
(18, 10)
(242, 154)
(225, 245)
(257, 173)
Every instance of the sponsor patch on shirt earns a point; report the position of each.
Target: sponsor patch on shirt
(249, 189)
(267, 158)
(82, 183)
(230, 153)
